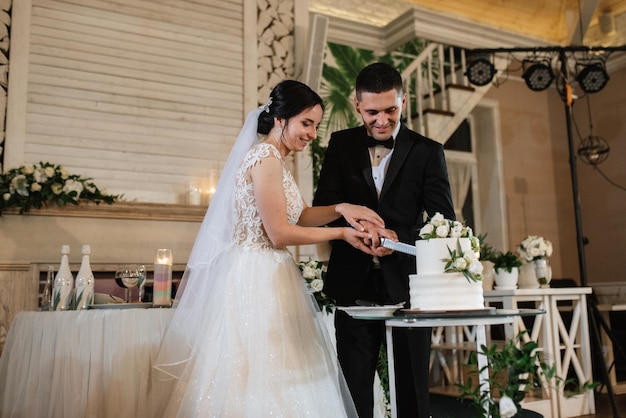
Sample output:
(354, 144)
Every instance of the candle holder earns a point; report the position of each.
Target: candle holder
(162, 291)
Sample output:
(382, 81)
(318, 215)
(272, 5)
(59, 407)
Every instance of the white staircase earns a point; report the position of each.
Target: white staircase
(439, 96)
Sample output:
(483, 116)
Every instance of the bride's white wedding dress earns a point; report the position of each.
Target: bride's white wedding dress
(261, 350)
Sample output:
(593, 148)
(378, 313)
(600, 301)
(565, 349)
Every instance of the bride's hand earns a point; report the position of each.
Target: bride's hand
(357, 239)
(355, 213)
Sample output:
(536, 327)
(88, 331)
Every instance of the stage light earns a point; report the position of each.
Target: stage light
(480, 71)
(593, 150)
(538, 74)
(593, 77)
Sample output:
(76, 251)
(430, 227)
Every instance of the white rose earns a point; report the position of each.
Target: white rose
(476, 267)
(457, 230)
(460, 264)
(6, 196)
(40, 175)
(438, 219)
(507, 407)
(64, 173)
(28, 169)
(542, 247)
(73, 186)
(471, 257)
(20, 185)
(426, 230)
(49, 171)
(534, 252)
(549, 249)
(35, 187)
(442, 231)
(317, 285)
(308, 272)
(56, 188)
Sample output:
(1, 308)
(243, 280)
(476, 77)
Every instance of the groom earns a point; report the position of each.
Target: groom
(401, 175)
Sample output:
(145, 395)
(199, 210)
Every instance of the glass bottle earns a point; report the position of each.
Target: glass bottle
(63, 283)
(46, 294)
(84, 281)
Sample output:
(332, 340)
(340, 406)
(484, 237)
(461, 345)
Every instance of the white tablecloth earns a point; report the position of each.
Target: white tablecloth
(95, 363)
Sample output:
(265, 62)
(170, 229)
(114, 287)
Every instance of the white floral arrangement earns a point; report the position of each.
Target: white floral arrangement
(314, 272)
(31, 186)
(440, 227)
(467, 262)
(534, 247)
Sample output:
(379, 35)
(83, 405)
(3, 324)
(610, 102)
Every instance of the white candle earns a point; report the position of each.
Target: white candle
(162, 291)
(194, 196)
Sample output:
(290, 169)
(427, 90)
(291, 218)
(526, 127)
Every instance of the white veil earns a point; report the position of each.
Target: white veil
(214, 237)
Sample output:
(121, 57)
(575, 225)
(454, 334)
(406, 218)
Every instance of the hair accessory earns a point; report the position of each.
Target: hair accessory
(268, 104)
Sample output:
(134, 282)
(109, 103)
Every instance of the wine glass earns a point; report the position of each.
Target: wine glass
(127, 276)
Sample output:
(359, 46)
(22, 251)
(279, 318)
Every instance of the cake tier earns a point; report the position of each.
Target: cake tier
(444, 292)
(432, 252)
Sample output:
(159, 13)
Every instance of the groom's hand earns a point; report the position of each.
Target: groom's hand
(378, 233)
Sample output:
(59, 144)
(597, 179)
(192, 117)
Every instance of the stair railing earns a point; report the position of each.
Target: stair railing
(425, 76)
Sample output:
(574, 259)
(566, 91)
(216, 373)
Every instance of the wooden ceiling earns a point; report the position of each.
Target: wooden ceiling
(555, 22)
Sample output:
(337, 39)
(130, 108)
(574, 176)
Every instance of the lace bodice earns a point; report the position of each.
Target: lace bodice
(248, 226)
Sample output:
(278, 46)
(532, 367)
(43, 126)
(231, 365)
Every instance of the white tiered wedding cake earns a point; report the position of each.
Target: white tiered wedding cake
(449, 274)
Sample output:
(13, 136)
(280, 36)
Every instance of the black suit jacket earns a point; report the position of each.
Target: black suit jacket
(416, 182)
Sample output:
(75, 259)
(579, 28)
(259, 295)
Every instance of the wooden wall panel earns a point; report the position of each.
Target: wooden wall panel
(143, 96)
(18, 292)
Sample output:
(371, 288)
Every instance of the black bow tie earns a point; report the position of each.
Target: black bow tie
(387, 143)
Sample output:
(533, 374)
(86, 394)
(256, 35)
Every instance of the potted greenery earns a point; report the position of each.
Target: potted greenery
(506, 266)
(516, 368)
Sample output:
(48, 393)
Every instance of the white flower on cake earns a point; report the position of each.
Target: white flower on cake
(440, 227)
(534, 247)
(448, 273)
(466, 263)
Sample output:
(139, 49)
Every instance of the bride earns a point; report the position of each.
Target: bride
(244, 340)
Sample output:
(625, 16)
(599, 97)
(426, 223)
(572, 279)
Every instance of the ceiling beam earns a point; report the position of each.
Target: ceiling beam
(423, 23)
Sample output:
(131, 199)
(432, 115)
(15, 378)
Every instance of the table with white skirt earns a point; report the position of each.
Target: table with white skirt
(92, 363)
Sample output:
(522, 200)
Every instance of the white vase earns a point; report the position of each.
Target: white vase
(506, 280)
(527, 277)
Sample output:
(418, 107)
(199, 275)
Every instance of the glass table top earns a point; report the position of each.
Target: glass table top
(473, 314)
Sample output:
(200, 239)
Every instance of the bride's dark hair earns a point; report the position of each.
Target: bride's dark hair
(286, 100)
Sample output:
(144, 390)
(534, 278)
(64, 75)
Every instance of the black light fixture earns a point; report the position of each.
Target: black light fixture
(593, 76)
(480, 71)
(593, 150)
(538, 73)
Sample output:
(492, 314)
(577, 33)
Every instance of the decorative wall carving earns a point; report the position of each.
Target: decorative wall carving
(275, 33)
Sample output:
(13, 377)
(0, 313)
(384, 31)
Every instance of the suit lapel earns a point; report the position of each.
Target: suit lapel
(400, 152)
(364, 162)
